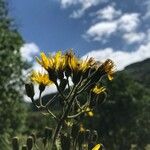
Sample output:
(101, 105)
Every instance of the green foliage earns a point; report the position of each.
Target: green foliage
(11, 107)
(140, 72)
(123, 120)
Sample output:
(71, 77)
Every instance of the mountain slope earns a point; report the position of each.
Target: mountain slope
(140, 72)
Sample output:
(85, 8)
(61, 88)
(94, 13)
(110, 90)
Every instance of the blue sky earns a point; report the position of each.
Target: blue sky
(118, 29)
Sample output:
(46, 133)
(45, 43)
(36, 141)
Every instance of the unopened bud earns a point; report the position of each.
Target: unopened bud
(81, 138)
(41, 87)
(29, 90)
(24, 147)
(65, 142)
(29, 142)
(48, 132)
(94, 136)
(44, 140)
(75, 130)
(87, 135)
(34, 137)
(15, 143)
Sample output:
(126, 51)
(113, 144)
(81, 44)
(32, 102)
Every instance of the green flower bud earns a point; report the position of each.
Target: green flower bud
(29, 90)
(87, 135)
(24, 147)
(41, 87)
(34, 137)
(81, 138)
(15, 143)
(65, 142)
(75, 130)
(29, 142)
(94, 136)
(44, 140)
(48, 133)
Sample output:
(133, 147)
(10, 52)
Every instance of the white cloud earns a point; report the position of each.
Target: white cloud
(134, 37)
(107, 13)
(28, 51)
(82, 4)
(121, 58)
(129, 22)
(102, 29)
(124, 24)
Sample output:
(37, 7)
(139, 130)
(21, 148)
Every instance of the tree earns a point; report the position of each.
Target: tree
(11, 104)
(123, 120)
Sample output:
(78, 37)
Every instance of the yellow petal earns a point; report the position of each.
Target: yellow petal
(97, 147)
(110, 77)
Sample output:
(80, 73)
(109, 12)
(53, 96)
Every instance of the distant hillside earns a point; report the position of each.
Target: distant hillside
(140, 72)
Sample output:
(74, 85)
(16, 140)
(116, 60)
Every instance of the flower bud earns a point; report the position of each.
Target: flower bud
(24, 147)
(75, 130)
(29, 142)
(44, 140)
(65, 142)
(94, 136)
(34, 137)
(48, 133)
(87, 135)
(81, 138)
(29, 90)
(15, 143)
(41, 87)
(100, 99)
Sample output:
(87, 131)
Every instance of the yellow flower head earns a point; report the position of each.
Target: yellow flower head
(56, 62)
(97, 147)
(98, 90)
(76, 64)
(89, 112)
(71, 60)
(41, 79)
(82, 129)
(84, 65)
(109, 68)
(59, 61)
(44, 62)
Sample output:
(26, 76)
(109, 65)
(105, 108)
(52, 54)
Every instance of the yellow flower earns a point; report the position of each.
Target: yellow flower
(71, 60)
(97, 147)
(98, 90)
(84, 65)
(109, 68)
(55, 63)
(82, 129)
(76, 64)
(89, 112)
(41, 79)
(59, 61)
(44, 62)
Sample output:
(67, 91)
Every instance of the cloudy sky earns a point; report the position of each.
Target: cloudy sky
(118, 29)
